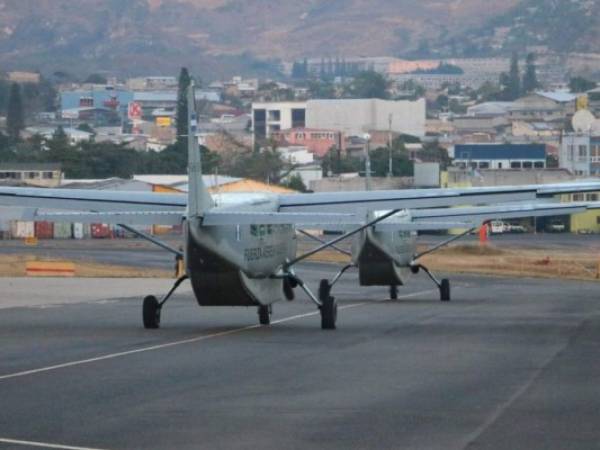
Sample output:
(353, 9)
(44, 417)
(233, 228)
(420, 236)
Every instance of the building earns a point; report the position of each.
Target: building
(544, 107)
(34, 174)
(355, 117)
(272, 117)
(500, 156)
(580, 154)
(23, 77)
(317, 141)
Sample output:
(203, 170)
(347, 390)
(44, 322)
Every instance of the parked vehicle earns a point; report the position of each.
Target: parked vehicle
(497, 227)
(515, 228)
(555, 226)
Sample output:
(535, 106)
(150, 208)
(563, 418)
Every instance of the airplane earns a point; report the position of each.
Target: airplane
(241, 249)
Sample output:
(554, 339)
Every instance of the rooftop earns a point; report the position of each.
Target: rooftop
(17, 166)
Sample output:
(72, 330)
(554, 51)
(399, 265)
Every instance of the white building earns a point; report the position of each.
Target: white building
(580, 154)
(355, 117)
(276, 116)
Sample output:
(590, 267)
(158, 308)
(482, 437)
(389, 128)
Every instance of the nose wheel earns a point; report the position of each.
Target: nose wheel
(264, 314)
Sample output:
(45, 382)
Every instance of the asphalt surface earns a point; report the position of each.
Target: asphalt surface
(508, 364)
(138, 253)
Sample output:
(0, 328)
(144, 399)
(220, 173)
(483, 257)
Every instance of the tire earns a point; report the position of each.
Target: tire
(445, 290)
(329, 314)
(288, 289)
(264, 315)
(324, 290)
(394, 292)
(151, 312)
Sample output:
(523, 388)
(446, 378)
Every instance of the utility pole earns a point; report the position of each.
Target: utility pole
(390, 168)
(368, 162)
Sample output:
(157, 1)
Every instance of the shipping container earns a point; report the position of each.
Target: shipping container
(21, 230)
(100, 231)
(117, 232)
(62, 230)
(81, 230)
(44, 230)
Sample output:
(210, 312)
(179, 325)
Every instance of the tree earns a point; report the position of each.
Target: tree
(415, 89)
(530, 81)
(580, 84)
(514, 79)
(96, 78)
(182, 109)
(401, 165)
(433, 152)
(369, 84)
(15, 118)
(295, 182)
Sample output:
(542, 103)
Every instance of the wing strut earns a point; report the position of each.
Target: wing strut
(338, 239)
(323, 241)
(444, 243)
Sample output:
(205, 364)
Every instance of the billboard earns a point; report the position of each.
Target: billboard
(163, 121)
(134, 111)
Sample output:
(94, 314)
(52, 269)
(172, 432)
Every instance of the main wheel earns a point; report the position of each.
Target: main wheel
(151, 312)
(445, 290)
(328, 306)
(288, 289)
(329, 314)
(264, 315)
(394, 292)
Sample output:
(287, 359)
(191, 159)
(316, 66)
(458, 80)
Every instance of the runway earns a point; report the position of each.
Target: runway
(507, 364)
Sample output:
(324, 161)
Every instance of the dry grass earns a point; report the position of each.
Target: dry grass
(14, 266)
(458, 259)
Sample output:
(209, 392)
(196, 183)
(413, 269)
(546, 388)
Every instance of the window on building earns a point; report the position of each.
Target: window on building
(515, 165)
(473, 165)
(260, 123)
(32, 175)
(598, 220)
(275, 115)
(582, 152)
(484, 165)
(527, 164)
(592, 197)
(578, 197)
(298, 118)
(47, 175)
(499, 165)
(570, 152)
(538, 165)
(595, 152)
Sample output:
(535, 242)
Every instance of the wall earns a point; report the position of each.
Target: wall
(334, 184)
(355, 117)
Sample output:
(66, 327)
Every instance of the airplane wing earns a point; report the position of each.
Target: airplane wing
(91, 200)
(426, 198)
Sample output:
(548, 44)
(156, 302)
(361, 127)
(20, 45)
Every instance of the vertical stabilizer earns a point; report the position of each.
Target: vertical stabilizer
(199, 199)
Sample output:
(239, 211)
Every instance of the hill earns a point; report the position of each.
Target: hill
(221, 37)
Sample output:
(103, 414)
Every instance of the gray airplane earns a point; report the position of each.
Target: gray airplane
(240, 250)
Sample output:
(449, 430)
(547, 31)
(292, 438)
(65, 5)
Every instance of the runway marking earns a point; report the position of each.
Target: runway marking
(187, 341)
(44, 444)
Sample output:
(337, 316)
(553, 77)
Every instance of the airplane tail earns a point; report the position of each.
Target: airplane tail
(199, 199)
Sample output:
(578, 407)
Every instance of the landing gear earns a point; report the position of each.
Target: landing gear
(328, 306)
(445, 290)
(151, 312)
(264, 314)
(443, 285)
(152, 308)
(288, 288)
(394, 292)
